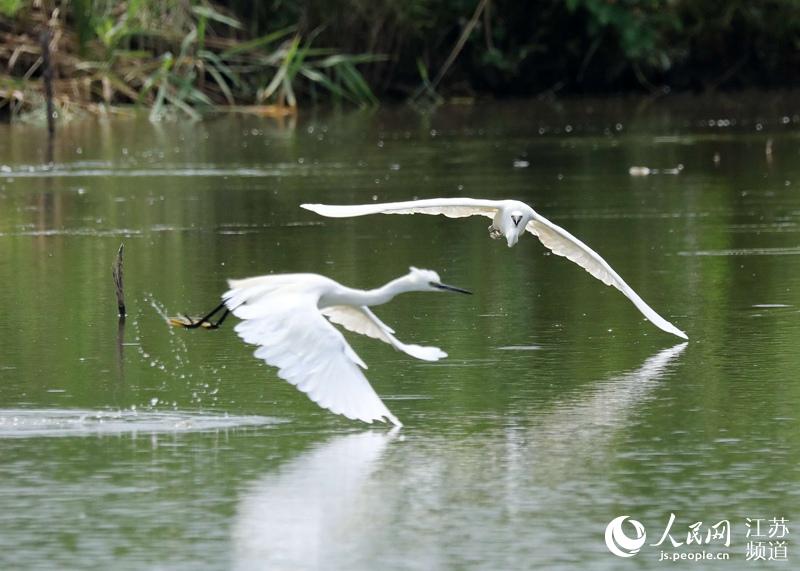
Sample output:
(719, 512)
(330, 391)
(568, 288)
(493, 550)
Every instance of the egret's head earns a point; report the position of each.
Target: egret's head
(428, 280)
(513, 225)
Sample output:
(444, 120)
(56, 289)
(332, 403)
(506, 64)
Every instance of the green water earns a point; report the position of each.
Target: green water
(558, 409)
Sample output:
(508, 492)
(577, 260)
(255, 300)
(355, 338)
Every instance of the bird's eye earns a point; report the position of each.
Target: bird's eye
(517, 220)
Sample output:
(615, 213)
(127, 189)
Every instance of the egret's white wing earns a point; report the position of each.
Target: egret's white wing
(565, 244)
(309, 352)
(450, 207)
(362, 320)
(356, 321)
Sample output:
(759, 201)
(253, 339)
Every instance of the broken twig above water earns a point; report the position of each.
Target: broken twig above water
(116, 272)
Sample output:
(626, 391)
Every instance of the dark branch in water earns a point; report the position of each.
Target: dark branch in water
(116, 272)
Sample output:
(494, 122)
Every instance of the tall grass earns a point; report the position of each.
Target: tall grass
(188, 57)
(523, 47)
(174, 57)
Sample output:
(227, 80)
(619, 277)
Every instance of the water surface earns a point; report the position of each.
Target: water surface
(558, 409)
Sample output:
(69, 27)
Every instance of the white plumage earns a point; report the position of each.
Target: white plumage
(510, 218)
(285, 316)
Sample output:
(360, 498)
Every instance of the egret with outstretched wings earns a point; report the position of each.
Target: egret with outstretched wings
(289, 316)
(510, 218)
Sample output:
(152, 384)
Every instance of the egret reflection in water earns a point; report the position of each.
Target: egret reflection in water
(341, 501)
(311, 513)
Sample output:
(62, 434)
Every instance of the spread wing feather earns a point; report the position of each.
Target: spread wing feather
(450, 207)
(362, 320)
(292, 335)
(565, 244)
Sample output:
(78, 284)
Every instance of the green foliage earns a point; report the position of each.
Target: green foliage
(640, 26)
(240, 68)
(528, 47)
(190, 55)
(10, 7)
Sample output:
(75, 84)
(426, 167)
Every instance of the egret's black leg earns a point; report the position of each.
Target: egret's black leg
(221, 319)
(205, 320)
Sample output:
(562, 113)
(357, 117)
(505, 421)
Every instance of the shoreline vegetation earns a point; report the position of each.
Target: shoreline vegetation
(184, 58)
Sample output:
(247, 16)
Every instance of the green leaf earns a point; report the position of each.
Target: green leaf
(339, 59)
(276, 81)
(183, 106)
(226, 91)
(187, 41)
(324, 81)
(221, 66)
(157, 111)
(423, 71)
(201, 33)
(211, 14)
(10, 7)
(257, 43)
(283, 70)
(289, 92)
(356, 83)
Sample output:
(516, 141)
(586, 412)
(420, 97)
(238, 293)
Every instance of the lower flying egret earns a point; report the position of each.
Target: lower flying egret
(510, 218)
(285, 315)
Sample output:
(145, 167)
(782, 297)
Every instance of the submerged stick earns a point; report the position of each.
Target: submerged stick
(116, 272)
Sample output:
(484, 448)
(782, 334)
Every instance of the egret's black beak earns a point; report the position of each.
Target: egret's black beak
(516, 220)
(445, 287)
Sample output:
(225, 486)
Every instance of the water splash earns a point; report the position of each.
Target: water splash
(161, 310)
(35, 423)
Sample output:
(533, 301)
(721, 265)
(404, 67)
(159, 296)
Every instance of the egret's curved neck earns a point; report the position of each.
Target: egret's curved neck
(379, 295)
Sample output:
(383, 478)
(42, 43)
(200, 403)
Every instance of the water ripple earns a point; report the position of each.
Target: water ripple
(30, 423)
(790, 251)
(108, 170)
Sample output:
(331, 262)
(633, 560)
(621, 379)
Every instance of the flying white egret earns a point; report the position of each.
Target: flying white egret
(284, 314)
(510, 218)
